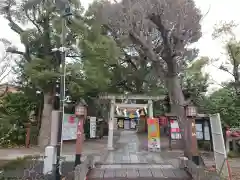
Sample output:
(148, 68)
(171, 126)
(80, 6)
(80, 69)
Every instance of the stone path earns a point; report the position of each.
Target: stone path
(131, 161)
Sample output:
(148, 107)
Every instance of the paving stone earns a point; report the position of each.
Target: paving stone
(156, 166)
(134, 158)
(142, 159)
(157, 173)
(109, 173)
(126, 158)
(132, 173)
(145, 173)
(110, 158)
(180, 173)
(139, 166)
(157, 159)
(167, 166)
(112, 166)
(121, 172)
(168, 173)
(97, 173)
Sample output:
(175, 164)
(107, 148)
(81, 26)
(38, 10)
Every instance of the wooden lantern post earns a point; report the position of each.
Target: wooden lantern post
(191, 113)
(28, 133)
(27, 126)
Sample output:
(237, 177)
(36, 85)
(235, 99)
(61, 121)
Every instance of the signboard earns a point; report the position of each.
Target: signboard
(121, 123)
(126, 124)
(199, 131)
(93, 127)
(153, 134)
(175, 130)
(133, 124)
(69, 128)
(206, 133)
(220, 154)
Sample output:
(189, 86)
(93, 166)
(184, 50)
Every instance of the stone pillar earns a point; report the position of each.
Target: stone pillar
(150, 108)
(111, 125)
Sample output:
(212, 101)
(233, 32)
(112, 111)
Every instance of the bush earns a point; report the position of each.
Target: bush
(233, 154)
(14, 112)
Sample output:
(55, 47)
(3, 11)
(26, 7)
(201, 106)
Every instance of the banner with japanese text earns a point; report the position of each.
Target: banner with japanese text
(69, 131)
(153, 134)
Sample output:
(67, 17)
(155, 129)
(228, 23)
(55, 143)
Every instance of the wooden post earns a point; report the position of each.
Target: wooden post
(194, 145)
(28, 131)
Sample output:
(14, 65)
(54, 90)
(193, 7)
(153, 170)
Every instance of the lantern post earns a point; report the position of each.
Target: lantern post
(191, 113)
(81, 113)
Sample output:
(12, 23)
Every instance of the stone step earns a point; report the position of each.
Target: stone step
(134, 166)
(138, 173)
(142, 178)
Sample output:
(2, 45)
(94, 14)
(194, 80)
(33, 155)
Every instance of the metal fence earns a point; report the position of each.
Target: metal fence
(27, 168)
(31, 168)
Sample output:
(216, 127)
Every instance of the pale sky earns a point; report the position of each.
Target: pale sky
(220, 10)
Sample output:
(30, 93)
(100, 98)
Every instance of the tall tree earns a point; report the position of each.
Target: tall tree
(232, 46)
(161, 30)
(133, 71)
(39, 65)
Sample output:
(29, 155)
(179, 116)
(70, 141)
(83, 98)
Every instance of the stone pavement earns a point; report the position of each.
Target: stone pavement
(131, 161)
(95, 146)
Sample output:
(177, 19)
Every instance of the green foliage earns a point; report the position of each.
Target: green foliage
(233, 154)
(14, 112)
(20, 162)
(39, 72)
(225, 102)
(195, 82)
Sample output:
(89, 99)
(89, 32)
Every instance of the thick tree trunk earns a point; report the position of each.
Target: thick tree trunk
(45, 130)
(177, 107)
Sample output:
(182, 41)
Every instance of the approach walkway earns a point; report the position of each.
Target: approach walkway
(130, 161)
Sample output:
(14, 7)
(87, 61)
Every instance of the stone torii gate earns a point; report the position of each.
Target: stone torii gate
(113, 105)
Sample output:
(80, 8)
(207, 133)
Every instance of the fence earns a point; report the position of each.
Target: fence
(31, 168)
(197, 172)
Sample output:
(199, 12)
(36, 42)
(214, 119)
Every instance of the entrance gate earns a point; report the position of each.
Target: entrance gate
(113, 105)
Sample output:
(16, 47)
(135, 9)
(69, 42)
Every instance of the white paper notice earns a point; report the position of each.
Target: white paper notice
(93, 127)
(206, 133)
(199, 127)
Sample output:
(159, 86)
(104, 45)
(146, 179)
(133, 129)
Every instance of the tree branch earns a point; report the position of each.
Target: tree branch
(14, 51)
(168, 39)
(14, 26)
(151, 55)
(128, 57)
(33, 20)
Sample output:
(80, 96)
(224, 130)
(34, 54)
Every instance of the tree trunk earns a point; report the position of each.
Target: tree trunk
(177, 106)
(45, 130)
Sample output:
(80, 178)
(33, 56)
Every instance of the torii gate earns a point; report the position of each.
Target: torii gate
(113, 104)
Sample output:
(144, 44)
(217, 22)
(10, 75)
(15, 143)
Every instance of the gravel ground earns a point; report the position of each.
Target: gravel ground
(235, 173)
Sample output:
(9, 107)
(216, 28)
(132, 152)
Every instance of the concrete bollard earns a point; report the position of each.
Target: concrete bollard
(49, 160)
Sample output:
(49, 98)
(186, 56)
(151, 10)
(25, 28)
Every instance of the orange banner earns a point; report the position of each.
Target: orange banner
(153, 128)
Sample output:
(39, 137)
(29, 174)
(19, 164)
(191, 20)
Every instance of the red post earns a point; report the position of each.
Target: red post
(79, 140)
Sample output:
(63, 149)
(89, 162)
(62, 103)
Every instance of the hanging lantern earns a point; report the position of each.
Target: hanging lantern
(191, 111)
(80, 109)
